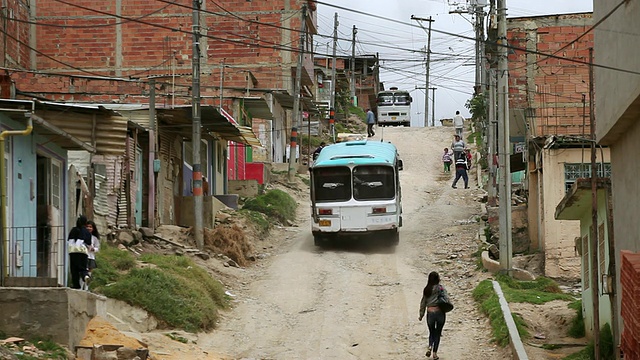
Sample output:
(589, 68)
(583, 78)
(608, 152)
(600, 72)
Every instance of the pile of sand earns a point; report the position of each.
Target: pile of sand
(100, 332)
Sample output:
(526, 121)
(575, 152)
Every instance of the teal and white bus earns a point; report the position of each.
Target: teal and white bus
(355, 190)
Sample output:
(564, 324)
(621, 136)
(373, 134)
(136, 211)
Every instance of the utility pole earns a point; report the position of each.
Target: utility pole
(504, 151)
(428, 61)
(195, 140)
(296, 98)
(332, 103)
(478, 11)
(594, 244)
(491, 139)
(433, 106)
(221, 82)
(353, 67)
(151, 205)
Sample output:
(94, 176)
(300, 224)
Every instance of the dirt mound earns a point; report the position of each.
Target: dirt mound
(100, 332)
(229, 240)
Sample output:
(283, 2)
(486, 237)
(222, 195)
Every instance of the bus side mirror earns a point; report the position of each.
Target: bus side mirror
(399, 164)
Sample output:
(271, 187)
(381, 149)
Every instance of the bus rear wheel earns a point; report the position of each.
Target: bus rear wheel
(320, 240)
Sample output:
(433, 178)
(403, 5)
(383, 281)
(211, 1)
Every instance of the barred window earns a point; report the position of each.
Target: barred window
(573, 171)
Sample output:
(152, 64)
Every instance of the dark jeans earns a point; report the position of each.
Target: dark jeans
(78, 265)
(435, 321)
(370, 131)
(461, 173)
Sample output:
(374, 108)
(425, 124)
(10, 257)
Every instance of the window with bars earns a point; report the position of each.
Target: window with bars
(573, 171)
(601, 250)
(586, 279)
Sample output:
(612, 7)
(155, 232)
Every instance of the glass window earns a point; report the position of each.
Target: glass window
(385, 99)
(373, 183)
(332, 184)
(403, 99)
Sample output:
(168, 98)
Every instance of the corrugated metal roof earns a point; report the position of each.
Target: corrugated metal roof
(73, 126)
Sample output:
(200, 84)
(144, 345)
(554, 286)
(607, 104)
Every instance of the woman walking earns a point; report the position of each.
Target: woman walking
(93, 249)
(78, 243)
(436, 316)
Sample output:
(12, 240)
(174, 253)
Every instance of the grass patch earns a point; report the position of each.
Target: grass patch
(358, 112)
(539, 291)
(340, 128)
(174, 336)
(276, 204)
(258, 219)
(490, 306)
(478, 258)
(535, 292)
(576, 330)
(173, 289)
(304, 179)
(607, 349)
(113, 263)
(475, 138)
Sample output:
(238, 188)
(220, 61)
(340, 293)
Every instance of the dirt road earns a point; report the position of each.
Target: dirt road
(361, 301)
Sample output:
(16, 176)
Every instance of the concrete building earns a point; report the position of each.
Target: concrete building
(617, 47)
(549, 117)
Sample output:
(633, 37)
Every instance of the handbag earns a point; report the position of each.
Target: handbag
(443, 301)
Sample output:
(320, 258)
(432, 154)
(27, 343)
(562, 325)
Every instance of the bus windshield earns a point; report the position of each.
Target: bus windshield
(373, 183)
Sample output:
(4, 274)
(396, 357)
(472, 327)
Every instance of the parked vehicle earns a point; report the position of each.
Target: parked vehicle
(394, 107)
(355, 190)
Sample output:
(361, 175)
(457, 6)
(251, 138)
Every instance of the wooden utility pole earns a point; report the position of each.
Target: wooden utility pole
(151, 174)
(296, 99)
(595, 282)
(353, 66)
(195, 140)
(427, 63)
(504, 150)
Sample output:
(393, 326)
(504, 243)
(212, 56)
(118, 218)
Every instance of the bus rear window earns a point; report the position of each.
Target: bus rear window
(332, 184)
(373, 183)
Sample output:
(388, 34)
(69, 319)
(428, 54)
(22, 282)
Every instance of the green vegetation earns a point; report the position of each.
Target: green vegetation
(358, 112)
(538, 291)
(258, 219)
(314, 140)
(174, 336)
(172, 288)
(276, 204)
(340, 128)
(576, 330)
(478, 256)
(607, 348)
(46, 349)
(490, 306)
(304, 179)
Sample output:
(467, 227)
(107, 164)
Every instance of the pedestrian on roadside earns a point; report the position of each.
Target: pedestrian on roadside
(469, 157)
(93, 249)
(461, 171)
(318, 150)
(436, 316)
(457, 146)
(446, 159)
(78, 243)
(371, 120)
(458, 123)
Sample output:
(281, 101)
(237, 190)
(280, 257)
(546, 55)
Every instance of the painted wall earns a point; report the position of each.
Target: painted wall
(561, 260)
(587, 297)
(22, 181)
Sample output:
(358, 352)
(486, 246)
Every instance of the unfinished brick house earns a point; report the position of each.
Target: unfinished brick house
(549, 100)
(99, 52)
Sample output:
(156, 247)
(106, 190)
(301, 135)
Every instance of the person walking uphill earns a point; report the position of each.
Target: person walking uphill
(458, 123)
(461, 171)
(371, 120)
(432, 296)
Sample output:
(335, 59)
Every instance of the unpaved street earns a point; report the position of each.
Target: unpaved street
(361, 301)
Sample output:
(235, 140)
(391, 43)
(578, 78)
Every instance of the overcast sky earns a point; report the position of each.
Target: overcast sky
(390, 33)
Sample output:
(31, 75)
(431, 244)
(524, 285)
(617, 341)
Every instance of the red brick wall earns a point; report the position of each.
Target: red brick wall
(15, 45)
(630, 309)
(559, 84)
(84, 37)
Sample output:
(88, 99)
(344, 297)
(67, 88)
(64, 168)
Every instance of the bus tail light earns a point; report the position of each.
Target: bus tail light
(379, 210)
(325, 212)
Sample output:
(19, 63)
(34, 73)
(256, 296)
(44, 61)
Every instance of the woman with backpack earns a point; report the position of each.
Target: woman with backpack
(435, 301)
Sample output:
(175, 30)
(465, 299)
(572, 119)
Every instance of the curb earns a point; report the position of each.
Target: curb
(514, 337)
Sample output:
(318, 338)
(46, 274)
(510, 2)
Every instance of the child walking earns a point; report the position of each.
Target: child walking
(92, 249)
(446, 159)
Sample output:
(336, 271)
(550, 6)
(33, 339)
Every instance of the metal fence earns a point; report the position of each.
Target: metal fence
(36, 251)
